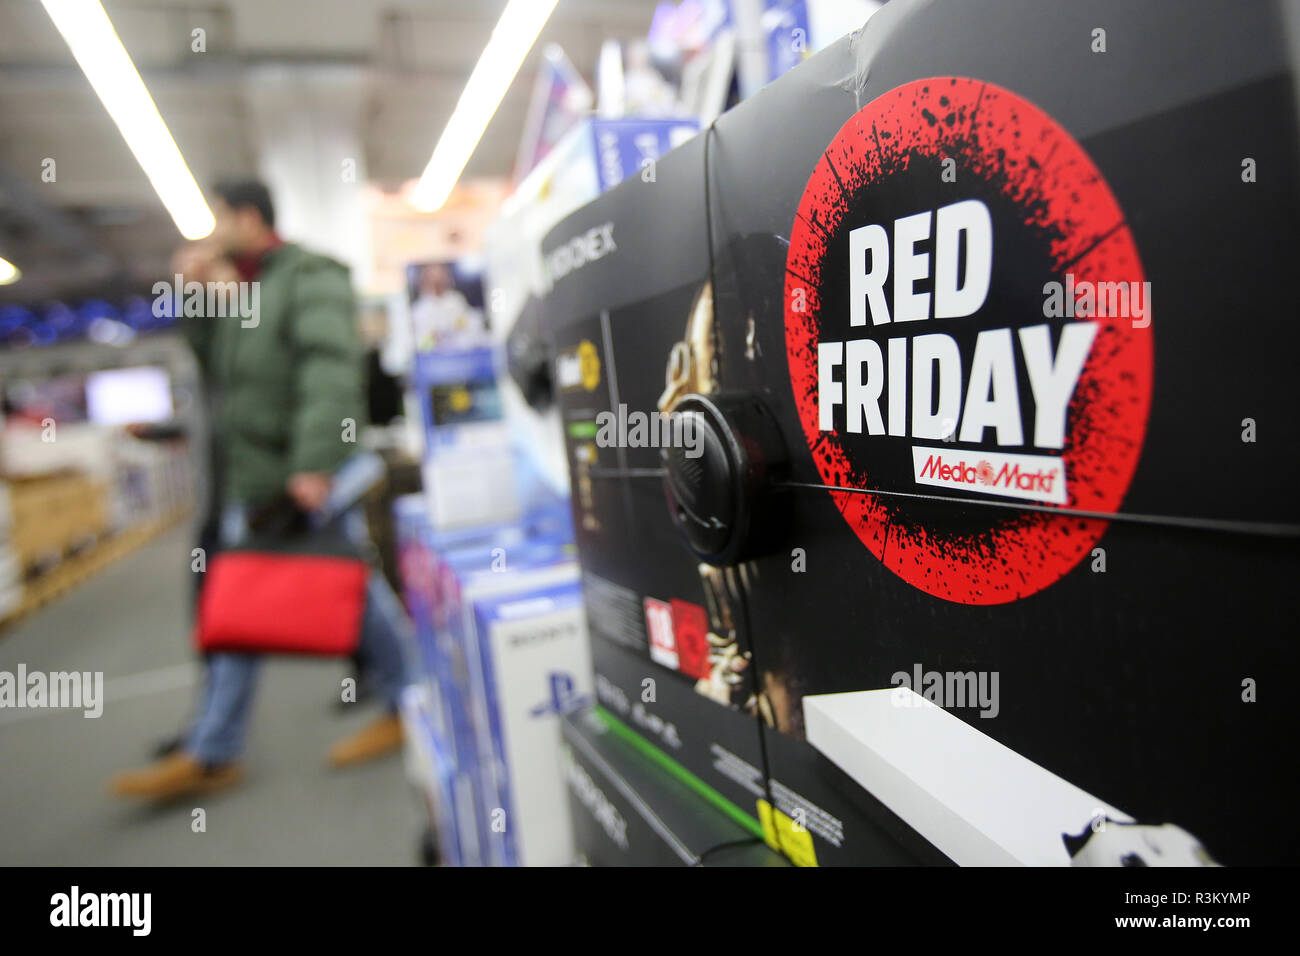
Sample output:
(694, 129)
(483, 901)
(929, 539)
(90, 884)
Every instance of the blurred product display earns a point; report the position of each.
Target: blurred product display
(53, 515)
(501, 639)
(80, 490)
(93, 319)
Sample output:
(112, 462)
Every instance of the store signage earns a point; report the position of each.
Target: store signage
(967, 317)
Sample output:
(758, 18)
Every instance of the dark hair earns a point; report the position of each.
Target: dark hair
(239, 193)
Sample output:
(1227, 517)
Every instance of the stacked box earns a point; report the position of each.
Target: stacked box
(501, 641)
(434, 772)
(54, 514)
(151, 481)
(468, 466)
(11, 568)
(464, 657)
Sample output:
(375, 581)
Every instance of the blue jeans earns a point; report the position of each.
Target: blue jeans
(219, 731)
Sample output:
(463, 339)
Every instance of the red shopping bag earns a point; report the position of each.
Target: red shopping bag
(301, 591)
(275, 603)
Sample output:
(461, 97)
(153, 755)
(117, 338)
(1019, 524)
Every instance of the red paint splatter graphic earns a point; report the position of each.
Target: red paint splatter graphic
(887, 161)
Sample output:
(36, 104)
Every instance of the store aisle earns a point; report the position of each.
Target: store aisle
(131, 622)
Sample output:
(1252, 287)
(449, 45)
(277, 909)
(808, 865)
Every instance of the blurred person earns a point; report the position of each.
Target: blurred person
(383, 389)
(282, 389)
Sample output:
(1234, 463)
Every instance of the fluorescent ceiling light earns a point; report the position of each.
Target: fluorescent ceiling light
(512, 38)
(9, 273)
(100, 54)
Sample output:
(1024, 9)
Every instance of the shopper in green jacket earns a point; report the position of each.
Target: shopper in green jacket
(286, 370)
(281, 357)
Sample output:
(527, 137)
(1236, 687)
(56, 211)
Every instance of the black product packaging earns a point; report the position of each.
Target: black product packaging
(982, 323)
(667, 645)
(631, 809)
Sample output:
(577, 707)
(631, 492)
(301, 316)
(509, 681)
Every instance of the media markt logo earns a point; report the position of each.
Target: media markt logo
(922, 357)
(578, 368)
(1031, 477)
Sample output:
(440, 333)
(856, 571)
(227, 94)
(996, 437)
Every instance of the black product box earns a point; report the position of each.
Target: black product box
(630, 807)
(994, 330)
(667, 644)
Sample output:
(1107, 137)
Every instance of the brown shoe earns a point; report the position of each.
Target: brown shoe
(377, 738)
(177, 775)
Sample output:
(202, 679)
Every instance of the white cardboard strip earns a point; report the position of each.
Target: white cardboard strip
(978, 801)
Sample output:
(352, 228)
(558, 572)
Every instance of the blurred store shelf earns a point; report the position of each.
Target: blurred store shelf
(78, 566)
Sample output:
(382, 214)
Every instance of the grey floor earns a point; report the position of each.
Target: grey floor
(131, 622)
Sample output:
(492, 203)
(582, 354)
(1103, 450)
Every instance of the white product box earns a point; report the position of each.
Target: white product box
(530, 662)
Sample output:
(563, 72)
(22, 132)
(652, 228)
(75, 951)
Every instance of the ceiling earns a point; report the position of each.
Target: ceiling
(98, 227)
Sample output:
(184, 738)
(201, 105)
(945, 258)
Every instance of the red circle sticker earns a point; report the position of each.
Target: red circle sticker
(967, 319)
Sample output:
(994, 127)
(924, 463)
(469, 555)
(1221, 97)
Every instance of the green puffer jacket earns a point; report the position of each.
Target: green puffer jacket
(287, 387)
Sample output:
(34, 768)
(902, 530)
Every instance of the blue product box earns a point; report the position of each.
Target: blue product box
(785, 25)
(456, 388)
(529, 569)
(469, 468)
(433, 770)
(623, 147)
(534, 664)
